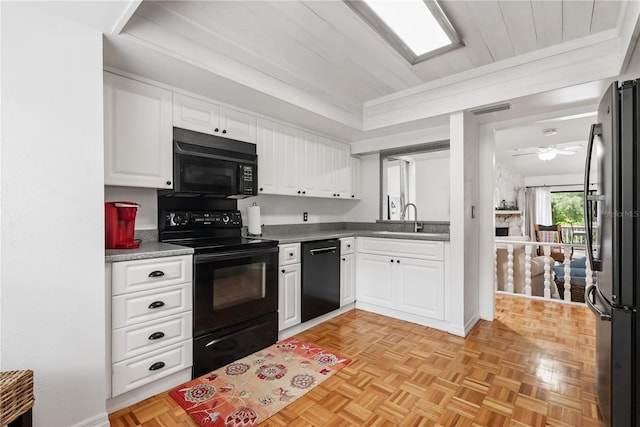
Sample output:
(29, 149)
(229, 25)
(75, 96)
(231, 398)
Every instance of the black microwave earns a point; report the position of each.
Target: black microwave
(213, 166)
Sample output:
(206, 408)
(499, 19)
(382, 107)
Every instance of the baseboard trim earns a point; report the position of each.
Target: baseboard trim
(100, 420)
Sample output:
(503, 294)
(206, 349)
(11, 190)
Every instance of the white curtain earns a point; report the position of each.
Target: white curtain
(530, 213)
(543, 206)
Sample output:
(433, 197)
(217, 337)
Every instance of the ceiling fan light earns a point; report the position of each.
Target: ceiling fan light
(547, 155)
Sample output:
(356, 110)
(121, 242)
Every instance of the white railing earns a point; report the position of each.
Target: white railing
(525, 267)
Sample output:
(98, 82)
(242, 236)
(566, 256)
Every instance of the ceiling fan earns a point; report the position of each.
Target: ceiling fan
(547, 152)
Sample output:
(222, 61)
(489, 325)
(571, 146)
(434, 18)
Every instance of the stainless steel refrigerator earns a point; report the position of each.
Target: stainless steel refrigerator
(612, 186)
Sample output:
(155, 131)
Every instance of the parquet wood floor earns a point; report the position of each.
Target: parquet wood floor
(532, 366)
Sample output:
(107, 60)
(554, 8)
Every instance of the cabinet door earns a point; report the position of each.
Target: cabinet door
(347, 279)
(289, 296)
(355, 178)
(194, 114)
(342, 171)
(238, 125)
(326, 165)
(374, 279)
(309, 163)
(291, 156)
(268, 149)
(138, 134)
(421, 287)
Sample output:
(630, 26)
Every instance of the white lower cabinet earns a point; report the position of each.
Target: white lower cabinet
(347, 279)
(374, 279)
(289, 286)
(138, 371)
(151, 320)
(409, 283)
(289, 296)
(420, 287)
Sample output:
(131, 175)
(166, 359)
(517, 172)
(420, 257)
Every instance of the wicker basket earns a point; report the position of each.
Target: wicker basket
(577, 292)
(16, 394)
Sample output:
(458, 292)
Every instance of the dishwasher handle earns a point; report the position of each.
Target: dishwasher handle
(323, 250)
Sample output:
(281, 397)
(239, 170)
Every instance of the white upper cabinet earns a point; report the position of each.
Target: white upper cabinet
(139, 121)
(335, 169)
(294, 162)
(206, 117)
(309, 167)
(238, 125)
(137, 134)
(268, 149)
(355, 178)
(342, 172)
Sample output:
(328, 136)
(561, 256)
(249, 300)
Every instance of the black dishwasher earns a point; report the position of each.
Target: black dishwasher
(320, 277)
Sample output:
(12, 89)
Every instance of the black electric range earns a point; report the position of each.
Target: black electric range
(235, 284)
(208, 231)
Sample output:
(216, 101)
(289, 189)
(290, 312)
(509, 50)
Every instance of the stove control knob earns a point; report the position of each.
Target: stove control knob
(225, 218)
(180, 218)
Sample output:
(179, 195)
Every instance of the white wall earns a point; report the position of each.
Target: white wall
(277, 210)
(368, 208)
(274, 210)
(52, 311)
(147, 198)
(509, 186)
(432, 189)
(550, 180)
(463, 283)
(486, 221)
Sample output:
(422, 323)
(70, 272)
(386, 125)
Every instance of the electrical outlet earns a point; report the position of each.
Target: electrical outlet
(305, 216)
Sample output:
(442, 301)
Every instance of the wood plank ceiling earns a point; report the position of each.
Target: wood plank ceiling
(323, 49)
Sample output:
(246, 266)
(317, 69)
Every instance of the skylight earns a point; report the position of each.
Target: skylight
(417, 29)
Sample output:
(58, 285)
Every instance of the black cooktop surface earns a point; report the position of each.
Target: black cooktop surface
(223, 244)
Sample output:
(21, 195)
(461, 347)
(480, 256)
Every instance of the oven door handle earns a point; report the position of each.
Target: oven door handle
(224, 337)
(201, 258)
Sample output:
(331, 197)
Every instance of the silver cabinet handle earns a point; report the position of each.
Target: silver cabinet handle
(322, 250)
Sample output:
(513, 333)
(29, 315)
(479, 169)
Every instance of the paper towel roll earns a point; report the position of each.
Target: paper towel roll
(253, 218)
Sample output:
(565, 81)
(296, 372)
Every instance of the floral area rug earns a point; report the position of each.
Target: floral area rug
(250, 390)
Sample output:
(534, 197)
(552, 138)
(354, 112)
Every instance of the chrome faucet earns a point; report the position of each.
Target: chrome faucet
(416, 227)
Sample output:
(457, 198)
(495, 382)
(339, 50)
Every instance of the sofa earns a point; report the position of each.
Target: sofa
(537, 270)
(578, 279)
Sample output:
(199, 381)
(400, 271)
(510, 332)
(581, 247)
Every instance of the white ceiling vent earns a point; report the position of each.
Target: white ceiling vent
(492, 109)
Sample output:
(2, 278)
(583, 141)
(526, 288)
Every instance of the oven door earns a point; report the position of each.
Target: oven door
(233, 287)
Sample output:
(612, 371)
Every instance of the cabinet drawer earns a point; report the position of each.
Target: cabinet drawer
(140, 275)
(130, 309)
(138, 339)
(137, 371)
(424, 249)
(289, 254)
(347, 245)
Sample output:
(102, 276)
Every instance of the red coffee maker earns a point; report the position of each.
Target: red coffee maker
(119, 225)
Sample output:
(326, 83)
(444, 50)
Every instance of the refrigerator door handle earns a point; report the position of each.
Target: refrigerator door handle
(596, 130)
(591, 302)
